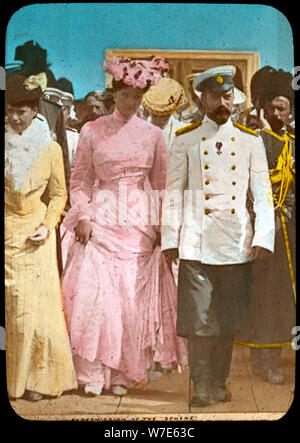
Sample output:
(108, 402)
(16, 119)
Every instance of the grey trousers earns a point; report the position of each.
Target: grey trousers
(212, 299)
(212, 305)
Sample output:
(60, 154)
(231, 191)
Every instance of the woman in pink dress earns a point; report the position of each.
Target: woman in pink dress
(120, 296)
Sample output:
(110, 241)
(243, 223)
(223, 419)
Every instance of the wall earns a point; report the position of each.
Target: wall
(76, 35)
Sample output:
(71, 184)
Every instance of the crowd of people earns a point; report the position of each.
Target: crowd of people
(139, 237)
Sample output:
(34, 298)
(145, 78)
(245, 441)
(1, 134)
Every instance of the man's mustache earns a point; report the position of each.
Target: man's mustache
(277, 120)
(222, 109)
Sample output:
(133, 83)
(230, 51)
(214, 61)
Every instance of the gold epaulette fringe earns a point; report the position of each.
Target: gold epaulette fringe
(188, 128)
(284, 175)
(282, 139)
(244, 128)
(269, 131)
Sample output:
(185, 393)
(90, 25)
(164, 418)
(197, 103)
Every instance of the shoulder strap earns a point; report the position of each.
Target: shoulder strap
(244, 128)
(188, 128)
(269, 131)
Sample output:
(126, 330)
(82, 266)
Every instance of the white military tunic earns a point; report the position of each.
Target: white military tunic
(169, 130)
(214, 167)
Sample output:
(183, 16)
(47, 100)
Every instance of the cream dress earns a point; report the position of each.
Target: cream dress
(38, 355)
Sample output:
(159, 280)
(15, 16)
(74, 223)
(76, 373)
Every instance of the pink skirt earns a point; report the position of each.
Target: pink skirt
(120, 303)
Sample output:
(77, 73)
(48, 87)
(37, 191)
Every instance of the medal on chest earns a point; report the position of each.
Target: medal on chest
(219, 147)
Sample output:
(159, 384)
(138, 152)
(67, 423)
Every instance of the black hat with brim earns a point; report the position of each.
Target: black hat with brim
(33, 56)
(19, 92)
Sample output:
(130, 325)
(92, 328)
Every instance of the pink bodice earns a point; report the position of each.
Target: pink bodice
(114, 150)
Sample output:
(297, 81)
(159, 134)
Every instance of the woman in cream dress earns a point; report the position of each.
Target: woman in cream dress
(38, 356)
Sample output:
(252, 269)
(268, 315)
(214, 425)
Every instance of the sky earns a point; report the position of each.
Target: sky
(77, 35)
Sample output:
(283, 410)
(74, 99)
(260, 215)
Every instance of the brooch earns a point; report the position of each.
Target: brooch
(218, 147)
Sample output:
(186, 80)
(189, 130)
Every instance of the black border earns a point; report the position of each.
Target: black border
(8, 417)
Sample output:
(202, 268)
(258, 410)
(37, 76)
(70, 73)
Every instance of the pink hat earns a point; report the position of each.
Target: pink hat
(136, 73)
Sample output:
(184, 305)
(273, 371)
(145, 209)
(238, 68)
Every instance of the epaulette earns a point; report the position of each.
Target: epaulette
(269, 131)
(188, 128)
(244, 128)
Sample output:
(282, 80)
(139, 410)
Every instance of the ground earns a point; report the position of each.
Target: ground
(168, 398)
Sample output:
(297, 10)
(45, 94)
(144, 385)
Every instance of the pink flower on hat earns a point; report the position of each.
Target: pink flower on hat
(141, 83)
(159, 64)
(129, 81)
(136, 73)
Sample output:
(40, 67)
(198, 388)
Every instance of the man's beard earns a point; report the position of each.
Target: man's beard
(276, 124)
(220, 115)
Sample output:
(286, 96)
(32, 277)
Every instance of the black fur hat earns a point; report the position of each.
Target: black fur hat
(268, 83)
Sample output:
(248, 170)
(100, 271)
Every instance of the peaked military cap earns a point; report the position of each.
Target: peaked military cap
(218, 79)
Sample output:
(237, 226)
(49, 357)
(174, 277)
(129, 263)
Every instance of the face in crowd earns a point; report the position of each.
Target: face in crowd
(128, 100)
(277, 112)
(218, 106)
(20, 117)
(95, 107)
(160, 120)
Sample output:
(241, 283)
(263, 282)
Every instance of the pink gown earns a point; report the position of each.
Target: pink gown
(120, 295)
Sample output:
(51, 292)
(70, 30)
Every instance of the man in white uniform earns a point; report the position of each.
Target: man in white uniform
(213, 165)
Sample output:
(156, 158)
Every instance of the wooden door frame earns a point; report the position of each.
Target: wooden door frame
(187, 62)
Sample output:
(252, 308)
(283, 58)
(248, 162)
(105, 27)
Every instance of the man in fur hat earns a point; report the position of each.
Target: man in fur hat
(271, 316)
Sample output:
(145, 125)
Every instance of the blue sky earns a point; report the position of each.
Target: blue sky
(76, 35)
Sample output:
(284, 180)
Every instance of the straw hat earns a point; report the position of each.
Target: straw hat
(165, 98)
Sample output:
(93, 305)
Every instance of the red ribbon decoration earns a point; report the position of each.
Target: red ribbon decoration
(219, 146)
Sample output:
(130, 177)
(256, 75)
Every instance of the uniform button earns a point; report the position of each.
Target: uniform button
(207, 182)
(205, 152)
(204, 138)
(233, 138)
(234, 183)
(207, 211)
(233, 197)
(233, 167)
(206, 166)
(233, 153)
(232, 211)
(207, 197)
